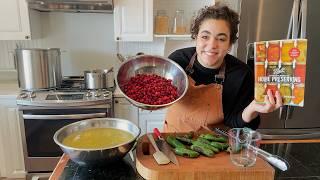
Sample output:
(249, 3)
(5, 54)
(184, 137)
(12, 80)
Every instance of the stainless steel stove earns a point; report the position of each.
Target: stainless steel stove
(42, 113)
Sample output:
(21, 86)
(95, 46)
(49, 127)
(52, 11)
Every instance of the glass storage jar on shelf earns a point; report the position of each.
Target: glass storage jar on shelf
(161, 22)
(179, 26)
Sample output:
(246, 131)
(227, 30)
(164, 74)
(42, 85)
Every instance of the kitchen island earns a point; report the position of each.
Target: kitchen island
(302, 155)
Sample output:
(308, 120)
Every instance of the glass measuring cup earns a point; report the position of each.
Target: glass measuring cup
(240, 141)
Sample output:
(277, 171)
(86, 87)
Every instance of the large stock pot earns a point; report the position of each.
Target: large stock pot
(38, 68)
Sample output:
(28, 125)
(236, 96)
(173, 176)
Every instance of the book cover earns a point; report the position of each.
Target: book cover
(281, 65)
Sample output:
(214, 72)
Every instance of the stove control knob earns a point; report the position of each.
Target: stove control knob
(32, 94)
(23, 95)
(88, 94)
(105, 94)
(97, 95)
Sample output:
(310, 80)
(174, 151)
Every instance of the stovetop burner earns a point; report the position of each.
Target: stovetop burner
(123, 169)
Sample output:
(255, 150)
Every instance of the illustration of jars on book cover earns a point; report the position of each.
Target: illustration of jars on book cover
(280, 65)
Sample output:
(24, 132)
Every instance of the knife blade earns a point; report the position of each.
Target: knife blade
(165, 147)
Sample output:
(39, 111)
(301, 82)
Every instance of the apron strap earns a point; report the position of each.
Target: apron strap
(218, 78)
(189, 68)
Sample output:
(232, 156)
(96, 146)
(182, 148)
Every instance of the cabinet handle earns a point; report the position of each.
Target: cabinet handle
(27, 37)
(116, 101)
(118, 38)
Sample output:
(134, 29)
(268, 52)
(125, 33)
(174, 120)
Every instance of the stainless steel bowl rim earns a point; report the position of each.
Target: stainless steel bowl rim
(150, 105)
(55, 137)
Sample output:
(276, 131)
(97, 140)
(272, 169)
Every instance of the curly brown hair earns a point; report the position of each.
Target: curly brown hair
(220, 12)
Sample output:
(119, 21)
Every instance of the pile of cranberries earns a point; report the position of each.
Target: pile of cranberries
(150, 89)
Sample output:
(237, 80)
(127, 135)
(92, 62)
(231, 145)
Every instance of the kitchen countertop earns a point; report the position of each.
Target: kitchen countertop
(303, 157)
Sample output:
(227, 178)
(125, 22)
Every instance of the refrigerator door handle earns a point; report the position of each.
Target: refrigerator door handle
(303, 25)
(283, 112)
(295, 19)
(290, 112)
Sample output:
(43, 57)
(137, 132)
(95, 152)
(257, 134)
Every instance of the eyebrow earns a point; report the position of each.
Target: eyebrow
(220, 34)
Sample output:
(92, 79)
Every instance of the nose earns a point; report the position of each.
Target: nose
(213, 43)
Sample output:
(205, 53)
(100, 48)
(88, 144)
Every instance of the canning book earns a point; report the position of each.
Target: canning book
(281, 65)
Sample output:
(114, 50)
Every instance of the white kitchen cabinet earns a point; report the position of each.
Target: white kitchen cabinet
(133, 20)
(11, 154)
(125, 110)
(148, 120)
(15, 21)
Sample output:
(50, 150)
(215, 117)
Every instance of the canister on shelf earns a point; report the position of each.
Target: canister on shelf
(179, 26)
(161, 22)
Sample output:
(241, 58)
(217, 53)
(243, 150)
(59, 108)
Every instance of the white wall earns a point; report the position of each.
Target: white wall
(86, 41)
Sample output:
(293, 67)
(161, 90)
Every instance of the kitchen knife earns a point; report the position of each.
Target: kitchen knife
(165, 147)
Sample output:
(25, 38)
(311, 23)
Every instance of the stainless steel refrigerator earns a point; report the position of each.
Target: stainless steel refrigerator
(281, 19)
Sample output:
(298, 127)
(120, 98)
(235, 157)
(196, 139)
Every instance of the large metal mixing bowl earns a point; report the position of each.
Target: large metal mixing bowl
(148, 64)
(96, 157)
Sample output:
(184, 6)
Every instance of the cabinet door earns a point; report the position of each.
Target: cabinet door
(133, 20)
(125, 110)
(11, 154)
(14, 20)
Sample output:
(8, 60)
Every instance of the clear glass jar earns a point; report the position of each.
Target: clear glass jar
(162, 22)
(179, 26)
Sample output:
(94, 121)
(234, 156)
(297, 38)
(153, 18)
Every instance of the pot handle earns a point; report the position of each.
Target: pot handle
(122, 58)
(132, 149)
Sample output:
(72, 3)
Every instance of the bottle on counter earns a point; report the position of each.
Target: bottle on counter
(179, 26)
(161, 22)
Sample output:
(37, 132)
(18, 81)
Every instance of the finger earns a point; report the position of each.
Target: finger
(271, 97)
(266, 107)
(279, 102)
(266, 98)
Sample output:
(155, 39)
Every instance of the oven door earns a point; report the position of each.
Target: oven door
(38, 126)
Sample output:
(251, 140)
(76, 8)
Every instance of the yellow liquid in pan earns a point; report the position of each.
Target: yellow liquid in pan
(97, 138)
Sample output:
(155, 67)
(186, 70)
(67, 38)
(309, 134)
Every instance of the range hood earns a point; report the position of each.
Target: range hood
(81, 6)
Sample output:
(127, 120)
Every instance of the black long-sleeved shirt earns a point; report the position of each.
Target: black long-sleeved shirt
(238, 86)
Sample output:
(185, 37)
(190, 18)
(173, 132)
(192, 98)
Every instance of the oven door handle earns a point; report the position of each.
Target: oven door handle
(69, 116)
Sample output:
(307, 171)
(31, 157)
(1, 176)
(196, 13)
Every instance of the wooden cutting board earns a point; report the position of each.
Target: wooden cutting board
(217, 167)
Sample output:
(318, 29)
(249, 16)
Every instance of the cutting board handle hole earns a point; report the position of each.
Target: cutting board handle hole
(145, 148)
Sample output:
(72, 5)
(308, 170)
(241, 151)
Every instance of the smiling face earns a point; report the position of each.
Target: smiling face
(213, 42)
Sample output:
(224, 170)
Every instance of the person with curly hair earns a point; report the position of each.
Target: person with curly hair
(221, 87)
